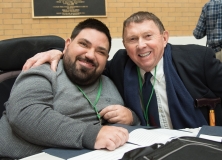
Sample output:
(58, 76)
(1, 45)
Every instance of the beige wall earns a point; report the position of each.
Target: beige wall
(178, 16)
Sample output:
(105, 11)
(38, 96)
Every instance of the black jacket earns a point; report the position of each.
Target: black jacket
(197, 67)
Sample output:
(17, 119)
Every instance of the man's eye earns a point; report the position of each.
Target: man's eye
(83, 44)
(102, 52)
(132, 39)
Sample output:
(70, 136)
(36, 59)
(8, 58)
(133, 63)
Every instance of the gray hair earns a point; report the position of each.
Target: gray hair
(141, 16)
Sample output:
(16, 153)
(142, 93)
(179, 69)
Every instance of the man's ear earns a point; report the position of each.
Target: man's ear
(123, 43)
(165, 37)
(68, 41)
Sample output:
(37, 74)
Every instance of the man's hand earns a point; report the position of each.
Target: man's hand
(111, 137)
(117, 114)
(51, 56)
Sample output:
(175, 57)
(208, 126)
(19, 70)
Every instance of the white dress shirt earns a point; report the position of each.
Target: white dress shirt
(161, 95)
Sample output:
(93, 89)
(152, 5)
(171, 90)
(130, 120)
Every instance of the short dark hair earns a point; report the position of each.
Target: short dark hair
(141, 16)
(93, 24)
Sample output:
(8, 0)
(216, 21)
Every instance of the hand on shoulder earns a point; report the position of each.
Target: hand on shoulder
(51, 56)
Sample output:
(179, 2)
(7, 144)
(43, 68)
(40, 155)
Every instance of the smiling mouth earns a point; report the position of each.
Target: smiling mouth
(145, 54)
(87, 63)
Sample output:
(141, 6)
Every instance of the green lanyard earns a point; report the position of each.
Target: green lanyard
(145, 113)
(96, 101)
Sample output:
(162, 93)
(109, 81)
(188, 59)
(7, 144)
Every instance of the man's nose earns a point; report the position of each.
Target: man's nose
(141, 43)
(90, 54)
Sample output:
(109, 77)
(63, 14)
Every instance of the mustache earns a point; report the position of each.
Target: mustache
(92, 62)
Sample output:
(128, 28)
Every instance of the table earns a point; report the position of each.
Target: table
(60, 154)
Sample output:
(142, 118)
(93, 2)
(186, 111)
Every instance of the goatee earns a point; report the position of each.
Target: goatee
(83, 75)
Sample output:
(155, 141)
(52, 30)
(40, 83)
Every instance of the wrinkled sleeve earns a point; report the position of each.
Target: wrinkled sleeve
(200, 30)
(32, 117)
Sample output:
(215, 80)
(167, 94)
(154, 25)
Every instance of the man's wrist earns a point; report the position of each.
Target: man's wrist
(135, 121)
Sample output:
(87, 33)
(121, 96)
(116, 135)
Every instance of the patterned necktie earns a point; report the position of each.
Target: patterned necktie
(152, 108)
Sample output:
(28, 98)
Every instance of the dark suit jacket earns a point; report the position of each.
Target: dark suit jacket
(197, 67)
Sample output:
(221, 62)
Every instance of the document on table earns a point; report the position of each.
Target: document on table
(146, 137)
(139, 138)
(42, 156)
(106, 154)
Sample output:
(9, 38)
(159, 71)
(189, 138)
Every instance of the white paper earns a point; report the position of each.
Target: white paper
(213, 138)
(42, 156)
(148, 137)
(105, 154)
(194, 131)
